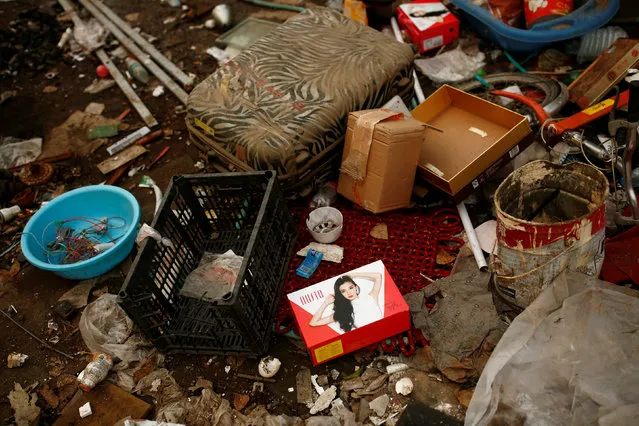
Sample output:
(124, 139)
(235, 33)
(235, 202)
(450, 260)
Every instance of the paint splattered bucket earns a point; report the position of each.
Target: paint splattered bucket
(549, 218)
(539, 11)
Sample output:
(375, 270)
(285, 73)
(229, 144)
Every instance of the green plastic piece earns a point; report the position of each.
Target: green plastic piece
(103, 131)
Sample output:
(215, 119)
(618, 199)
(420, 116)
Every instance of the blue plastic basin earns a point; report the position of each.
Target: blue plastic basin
(96, 201)
(583, 20)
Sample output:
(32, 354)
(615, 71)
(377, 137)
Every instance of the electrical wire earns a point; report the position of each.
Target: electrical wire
(82, 243)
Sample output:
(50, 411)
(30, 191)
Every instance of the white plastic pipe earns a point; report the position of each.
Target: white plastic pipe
(472, 237)
(419, 93)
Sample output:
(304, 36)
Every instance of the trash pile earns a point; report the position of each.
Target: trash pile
(350, 213)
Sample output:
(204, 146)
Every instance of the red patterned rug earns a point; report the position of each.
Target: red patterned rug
(414, 239)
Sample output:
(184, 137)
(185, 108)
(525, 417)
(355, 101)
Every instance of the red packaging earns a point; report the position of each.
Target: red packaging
(510, 12)
(538, 11)
(429, 24)
(368, 308)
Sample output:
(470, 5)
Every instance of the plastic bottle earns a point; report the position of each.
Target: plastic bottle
(325, 196)
(9, 213)
(137, 71)
(95, 372)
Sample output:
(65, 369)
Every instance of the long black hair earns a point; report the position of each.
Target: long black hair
(343, 309)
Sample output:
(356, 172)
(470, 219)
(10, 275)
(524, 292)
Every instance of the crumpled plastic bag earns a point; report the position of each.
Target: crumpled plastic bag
(206, 409)
(214, 278)
(106, 328)
(463, 327)
(570, 358)
(453, 66)
(15, 152)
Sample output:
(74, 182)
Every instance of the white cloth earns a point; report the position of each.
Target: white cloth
(365, 310)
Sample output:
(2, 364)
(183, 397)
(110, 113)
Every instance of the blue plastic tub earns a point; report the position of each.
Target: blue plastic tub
(96, 201)
(583, 20)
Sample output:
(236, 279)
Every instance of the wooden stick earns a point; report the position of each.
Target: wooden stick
(150, 138)
(124, 114)
(117, 174)
(256, 378)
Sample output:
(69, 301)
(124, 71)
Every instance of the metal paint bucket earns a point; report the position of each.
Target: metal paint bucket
(538, 11)
(549, 218)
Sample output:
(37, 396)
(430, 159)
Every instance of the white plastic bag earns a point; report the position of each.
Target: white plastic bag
(214, 278)
(570, 358)
(451, 67)
(106, 328)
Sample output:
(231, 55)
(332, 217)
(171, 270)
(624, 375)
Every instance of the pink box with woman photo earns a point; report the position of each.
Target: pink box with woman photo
(349, 312)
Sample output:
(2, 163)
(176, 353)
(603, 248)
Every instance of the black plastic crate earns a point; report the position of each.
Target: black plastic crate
(245, 212)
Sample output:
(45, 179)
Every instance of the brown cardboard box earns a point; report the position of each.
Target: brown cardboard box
(476, 135)
(604, 73)
(391, 162)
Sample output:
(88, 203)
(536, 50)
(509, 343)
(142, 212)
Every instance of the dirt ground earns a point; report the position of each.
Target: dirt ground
(32, 113)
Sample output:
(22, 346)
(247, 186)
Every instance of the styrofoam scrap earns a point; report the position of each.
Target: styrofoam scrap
(269, 366)
(318, 388)
(404, 386)
(394, 368)
(324, 400)
(332, 252)
(85, 410)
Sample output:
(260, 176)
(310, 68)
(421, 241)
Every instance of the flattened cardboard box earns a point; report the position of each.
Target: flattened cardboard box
(604, 73)
(391, 164)
(476, 135)
(349, 312)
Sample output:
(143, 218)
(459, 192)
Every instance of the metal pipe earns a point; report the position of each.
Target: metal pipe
(419, 93)
(631, 145)
(169, 66)
(126, 88)
(137, 52)
(115, 72)
(473, 241)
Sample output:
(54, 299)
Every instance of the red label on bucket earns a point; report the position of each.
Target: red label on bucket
(538, 11)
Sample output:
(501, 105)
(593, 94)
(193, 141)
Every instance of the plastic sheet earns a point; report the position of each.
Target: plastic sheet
(106, 328)
(451, 67)
(15, 152)
(572, 357)
(215, 278)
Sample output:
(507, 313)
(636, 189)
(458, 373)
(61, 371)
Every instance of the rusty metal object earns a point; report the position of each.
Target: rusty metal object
(36, 173)
(52, 159)
(25, 198)
(549, 218)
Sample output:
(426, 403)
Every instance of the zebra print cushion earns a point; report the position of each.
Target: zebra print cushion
(283, 103)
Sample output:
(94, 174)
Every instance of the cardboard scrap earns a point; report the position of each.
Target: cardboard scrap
(240, 401)
(71, 136)
(380, 231)
(26, 413)
(109, 404)
(444, 257)
(332, 252)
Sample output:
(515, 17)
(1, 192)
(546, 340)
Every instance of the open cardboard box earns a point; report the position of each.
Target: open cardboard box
(478, 136)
